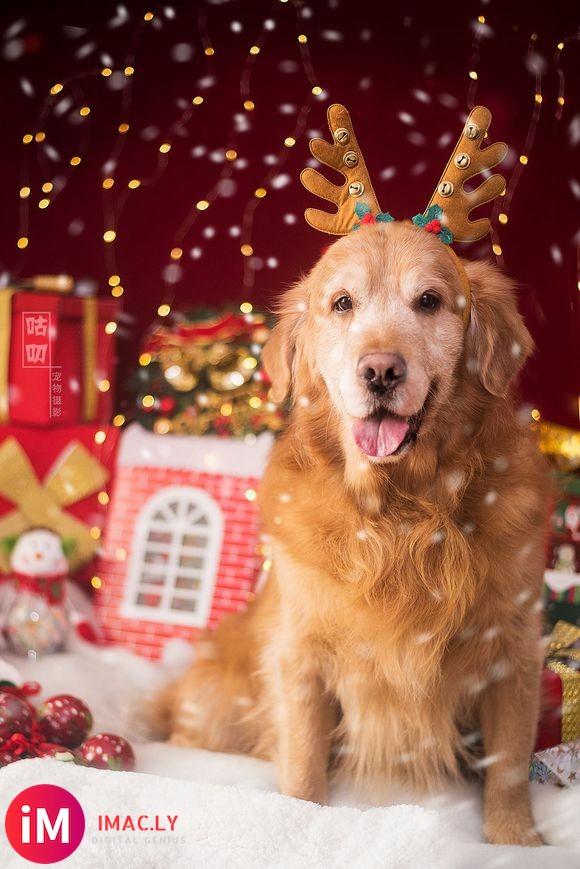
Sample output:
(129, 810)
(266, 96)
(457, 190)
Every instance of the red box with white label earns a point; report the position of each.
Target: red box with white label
(61, 359)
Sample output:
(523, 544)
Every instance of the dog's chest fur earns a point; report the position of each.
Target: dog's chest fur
(401, 617)
(408, 697)
(410, 610)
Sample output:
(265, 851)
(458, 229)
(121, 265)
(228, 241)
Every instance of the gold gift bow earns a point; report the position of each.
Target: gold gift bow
(560, 650)
(48, 283)
(75, 475)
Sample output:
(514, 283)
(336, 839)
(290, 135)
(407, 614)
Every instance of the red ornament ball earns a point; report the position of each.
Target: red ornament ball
(15, 716)
(167, 404)
(65, 720)
(57, 752)
(107, 751)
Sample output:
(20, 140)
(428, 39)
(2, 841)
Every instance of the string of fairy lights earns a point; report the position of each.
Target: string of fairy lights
(503, 215)
(501, 206)
(113, 208)
(232, 149)
(115, 196)
(316, 91)
(479, 29)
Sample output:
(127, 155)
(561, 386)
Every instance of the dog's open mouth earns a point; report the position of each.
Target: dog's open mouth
(385, 434)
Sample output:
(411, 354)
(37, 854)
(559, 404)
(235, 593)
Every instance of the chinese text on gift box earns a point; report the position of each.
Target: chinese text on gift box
(37, 337)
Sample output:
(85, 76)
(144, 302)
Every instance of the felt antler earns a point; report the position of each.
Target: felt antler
(345, 156)
(469, 159)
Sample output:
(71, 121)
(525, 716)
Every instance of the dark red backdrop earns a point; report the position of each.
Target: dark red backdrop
(401, 69)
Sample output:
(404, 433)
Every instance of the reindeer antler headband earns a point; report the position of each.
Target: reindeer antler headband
(447, 214)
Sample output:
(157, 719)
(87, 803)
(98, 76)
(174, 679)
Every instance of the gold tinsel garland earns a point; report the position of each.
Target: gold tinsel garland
(561, 443)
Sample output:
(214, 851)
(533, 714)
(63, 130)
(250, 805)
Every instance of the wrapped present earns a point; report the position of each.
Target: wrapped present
(559, 765)
(562, 574)
(550, 724)
(56, 355)
(200, 373)
(560, 718)
(57, 481)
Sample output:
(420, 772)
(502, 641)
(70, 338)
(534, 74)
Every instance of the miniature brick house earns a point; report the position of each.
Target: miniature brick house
(180, 547)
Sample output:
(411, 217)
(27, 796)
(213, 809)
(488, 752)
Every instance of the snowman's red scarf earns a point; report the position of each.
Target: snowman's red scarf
(51, 587)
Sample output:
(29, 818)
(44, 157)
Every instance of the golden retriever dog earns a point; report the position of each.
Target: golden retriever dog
(398, 635)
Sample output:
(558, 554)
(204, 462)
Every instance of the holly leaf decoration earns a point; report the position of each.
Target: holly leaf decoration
(365, 215)
(426, 221)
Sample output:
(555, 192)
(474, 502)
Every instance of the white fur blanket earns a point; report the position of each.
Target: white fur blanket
(229, 814)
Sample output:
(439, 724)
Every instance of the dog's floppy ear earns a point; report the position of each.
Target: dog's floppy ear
(497, 343)
(280, 349)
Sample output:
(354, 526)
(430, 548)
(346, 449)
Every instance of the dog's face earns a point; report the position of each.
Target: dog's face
(386, 311)
(379, 325)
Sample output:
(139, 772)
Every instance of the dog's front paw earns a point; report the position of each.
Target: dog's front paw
(511, 831)
(313, 791)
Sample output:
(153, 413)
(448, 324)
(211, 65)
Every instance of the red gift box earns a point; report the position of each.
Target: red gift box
(56, 358)
(550, 724)
(59, 478)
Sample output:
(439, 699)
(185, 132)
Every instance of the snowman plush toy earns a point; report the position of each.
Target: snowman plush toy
(37, 620)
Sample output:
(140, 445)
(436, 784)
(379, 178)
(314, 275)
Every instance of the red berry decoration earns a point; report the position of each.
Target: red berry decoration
(167, 404)
(65, 720)
(107, 751)
(15, 716)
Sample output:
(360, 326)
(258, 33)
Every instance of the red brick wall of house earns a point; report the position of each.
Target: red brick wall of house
(238, 566)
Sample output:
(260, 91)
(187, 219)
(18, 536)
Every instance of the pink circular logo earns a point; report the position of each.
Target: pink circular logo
(45, 823)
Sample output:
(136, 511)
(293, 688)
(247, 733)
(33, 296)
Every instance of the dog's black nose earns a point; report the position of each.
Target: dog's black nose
(382, 371)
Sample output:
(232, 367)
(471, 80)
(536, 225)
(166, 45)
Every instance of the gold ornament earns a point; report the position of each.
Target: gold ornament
(179, 368)
(230, 373)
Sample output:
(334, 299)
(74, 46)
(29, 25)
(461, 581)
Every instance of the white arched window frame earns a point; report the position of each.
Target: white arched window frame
(174, 558)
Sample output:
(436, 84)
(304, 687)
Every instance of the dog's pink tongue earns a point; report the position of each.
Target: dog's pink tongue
(379, 437)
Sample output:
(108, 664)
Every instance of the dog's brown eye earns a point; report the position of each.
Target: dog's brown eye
(343, 304)
(429, 302)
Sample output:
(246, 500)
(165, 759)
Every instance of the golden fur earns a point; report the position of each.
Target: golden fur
(401, 616)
